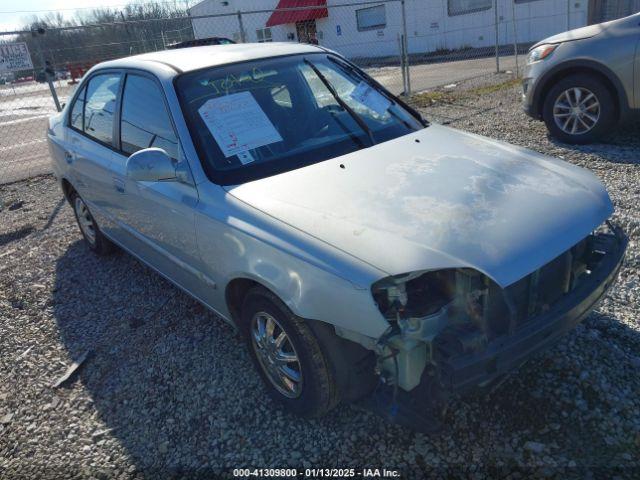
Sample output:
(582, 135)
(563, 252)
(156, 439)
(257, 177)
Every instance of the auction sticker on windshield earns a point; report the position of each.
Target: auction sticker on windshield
(370, 98)
(238, 124)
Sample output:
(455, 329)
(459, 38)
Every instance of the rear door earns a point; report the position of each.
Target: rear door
(90, 142)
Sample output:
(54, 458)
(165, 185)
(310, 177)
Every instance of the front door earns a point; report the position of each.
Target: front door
(307, 32)
(158, 217)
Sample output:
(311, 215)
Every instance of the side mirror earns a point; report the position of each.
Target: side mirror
(151, 165)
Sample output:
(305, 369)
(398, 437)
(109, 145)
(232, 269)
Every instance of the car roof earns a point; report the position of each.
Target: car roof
(194, 58)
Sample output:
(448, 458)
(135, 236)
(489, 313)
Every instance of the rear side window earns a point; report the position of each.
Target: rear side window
(77, 113)
(100, 106)
(145, 120)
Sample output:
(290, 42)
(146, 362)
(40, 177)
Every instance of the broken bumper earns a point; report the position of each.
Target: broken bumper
(503, 355)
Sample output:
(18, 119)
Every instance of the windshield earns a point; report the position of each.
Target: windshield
(260, 118)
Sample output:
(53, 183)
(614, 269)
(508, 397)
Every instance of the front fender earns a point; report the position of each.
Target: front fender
(313, 279)
(549, 77)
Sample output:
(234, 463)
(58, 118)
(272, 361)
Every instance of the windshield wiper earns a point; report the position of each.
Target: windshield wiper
(379, 88)
(341, 102)
(367, 80)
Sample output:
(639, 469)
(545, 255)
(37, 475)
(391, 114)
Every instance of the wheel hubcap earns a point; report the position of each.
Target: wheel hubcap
(276, 354)
(576, 111)
(85, 220)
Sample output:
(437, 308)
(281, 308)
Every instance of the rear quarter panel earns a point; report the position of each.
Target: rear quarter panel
(56, 144)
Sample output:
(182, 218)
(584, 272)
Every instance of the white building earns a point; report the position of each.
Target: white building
(366, 29)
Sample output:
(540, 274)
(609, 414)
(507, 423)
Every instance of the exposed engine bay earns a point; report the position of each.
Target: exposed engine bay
(446, 323)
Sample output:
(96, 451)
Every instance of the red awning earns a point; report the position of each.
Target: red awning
(281, 16)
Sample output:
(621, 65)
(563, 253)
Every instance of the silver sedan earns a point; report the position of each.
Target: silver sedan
(362, 251)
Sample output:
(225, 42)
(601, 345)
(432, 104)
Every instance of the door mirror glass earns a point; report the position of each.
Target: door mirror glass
(151, 165)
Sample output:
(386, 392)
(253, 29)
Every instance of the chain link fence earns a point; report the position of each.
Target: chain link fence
(25, 105)
(407, 45)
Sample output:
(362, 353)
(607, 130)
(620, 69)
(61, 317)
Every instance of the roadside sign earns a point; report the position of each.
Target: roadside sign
(14, 56)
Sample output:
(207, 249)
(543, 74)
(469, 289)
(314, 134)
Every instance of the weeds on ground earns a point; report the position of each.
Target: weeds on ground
(440, 96)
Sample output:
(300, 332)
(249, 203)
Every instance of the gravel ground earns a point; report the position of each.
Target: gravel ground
(168, 390)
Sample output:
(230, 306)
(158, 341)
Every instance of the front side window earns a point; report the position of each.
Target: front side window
(100, 106)
(145, 121)
(461, 7)
(264, 117)
(371, 18)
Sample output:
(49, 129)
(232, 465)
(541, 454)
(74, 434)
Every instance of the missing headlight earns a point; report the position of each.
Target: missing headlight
(414, 295)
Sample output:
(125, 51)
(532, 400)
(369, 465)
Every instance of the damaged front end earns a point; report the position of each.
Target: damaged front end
(455, 330)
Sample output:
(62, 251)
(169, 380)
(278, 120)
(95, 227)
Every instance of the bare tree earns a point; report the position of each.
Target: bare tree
(105, 33)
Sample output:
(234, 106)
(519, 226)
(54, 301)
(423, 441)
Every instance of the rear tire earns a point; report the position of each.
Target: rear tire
(91, 233)
(579, 109)
(308, 388)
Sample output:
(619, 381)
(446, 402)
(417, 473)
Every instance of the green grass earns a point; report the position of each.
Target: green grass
(495, 88)
(434, 97)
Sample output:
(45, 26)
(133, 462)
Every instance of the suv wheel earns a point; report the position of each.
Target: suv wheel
(287, 355)
(96, 241)
(579, 109)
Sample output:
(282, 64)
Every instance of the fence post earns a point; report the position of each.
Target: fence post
(515, 37)
(47, 74)
(568, 14)
(243, 38)
(495, 7)
(402, 70)
(406, 49)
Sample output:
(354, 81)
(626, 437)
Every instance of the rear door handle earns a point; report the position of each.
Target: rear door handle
(118, 183)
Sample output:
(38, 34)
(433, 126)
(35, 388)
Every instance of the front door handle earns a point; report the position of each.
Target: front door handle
(69, 157)
(118, 183)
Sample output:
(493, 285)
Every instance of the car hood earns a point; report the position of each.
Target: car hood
(589, 31)
(577, 34)
(439, 198)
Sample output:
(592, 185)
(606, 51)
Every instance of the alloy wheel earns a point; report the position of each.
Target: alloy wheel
(276, 354)
(85, 220)
(576, 111)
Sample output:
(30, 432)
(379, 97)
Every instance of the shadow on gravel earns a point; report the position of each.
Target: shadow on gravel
(622, 146)
(9, 237)
(177, 390)
(54, 213)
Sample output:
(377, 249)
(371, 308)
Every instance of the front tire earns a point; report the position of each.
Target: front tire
(579, 109)
(91, 233)
(287, 355)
